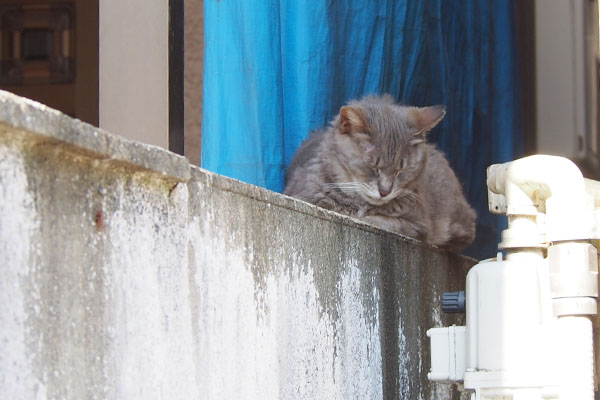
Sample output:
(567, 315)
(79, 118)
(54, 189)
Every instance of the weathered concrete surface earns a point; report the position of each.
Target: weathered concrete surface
(125, 273)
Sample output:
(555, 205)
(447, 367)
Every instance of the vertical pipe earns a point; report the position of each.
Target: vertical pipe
(576, 353)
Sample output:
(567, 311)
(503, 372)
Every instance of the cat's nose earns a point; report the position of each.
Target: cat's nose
(384, 185)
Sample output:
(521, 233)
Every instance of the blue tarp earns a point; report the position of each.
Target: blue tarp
(275, 70)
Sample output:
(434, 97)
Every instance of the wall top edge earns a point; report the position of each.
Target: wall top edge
(30, 117)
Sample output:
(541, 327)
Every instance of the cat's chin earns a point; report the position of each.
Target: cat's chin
(379, 201)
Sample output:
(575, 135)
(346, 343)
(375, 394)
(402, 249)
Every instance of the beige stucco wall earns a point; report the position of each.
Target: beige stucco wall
(134, 69)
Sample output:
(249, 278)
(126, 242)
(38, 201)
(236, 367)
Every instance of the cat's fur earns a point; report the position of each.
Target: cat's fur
(373, 163)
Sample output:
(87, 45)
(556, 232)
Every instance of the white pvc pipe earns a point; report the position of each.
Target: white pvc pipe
(539, 176)
(554, 186)
(577, 357)
(549, 184)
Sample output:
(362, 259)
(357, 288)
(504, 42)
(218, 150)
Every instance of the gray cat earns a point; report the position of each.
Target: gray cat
(374, 163)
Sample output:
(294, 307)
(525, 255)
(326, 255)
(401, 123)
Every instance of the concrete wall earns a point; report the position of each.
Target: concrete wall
(126, 273)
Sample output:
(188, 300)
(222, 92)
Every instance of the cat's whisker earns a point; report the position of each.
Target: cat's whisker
(347, 187)
(342, 184)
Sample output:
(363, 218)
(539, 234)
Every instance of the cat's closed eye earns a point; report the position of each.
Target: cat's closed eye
(374, 164)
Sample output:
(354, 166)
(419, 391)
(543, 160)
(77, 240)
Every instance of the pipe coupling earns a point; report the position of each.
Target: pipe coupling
(573, 268)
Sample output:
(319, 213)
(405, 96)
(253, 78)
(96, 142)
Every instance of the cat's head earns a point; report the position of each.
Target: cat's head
(382, 145)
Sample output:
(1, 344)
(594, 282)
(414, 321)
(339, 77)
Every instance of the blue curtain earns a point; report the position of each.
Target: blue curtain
(275, 70)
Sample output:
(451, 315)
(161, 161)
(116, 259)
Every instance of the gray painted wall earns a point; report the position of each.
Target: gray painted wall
(126, 273)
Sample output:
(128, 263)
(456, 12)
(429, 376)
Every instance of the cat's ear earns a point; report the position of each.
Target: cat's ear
(352, 120)
(387, 98)
(426, 118)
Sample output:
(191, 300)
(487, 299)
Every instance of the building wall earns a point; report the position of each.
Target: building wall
(567, 86)
(125, 272)
(134, 69)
